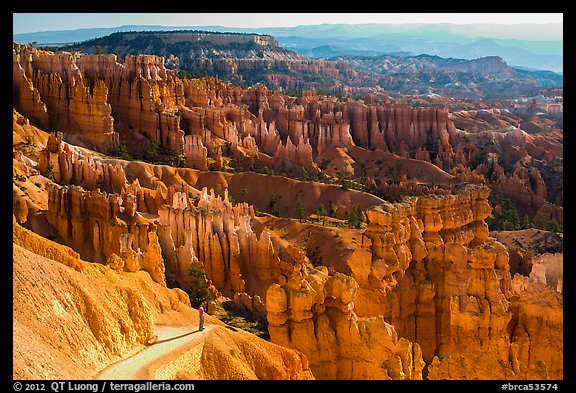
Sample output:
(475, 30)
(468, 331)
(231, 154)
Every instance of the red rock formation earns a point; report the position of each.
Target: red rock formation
(70, 166)
(150, 101)
(536, 327)
(102, 227)
(455, 302)
(437, 233)
(331, 131)
(218, 163)
(146, 97)
(221, 239)
(26, 97)
(426, 284)
(428, 268)
(300, 154)
(295, 65)
(313, 312)
(143, 95)
(422, 155)
(192, 121)
(266, 136)
(527, 190)
(195, 152)
(73, 104)
(531, 349)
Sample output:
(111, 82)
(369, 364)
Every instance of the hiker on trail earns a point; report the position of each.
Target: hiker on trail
(201, 314)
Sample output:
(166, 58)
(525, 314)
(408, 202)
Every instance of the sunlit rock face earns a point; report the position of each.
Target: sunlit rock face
(429, 272)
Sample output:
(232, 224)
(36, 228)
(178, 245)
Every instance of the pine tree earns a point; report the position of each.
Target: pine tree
(272, 208)
(299, 211)
(554, 226)
(321, 212)
(356, 217)
(305, 174)
(50, 171)
(198, 291)
(526, 222)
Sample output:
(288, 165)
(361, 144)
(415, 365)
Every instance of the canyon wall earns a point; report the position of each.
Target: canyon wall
(110, 103)
(50, 89)
(99, 102)
(130, 227)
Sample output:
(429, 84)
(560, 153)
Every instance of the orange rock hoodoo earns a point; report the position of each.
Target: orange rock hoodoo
(52, 90)
(220, 237)
(126, 218)
(105, 228)
(107, 103)
(110, 103)
(313, 311)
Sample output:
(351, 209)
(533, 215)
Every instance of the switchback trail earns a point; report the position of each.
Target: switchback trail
(171, 341)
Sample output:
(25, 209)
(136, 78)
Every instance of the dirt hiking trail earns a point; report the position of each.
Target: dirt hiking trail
(172, 341)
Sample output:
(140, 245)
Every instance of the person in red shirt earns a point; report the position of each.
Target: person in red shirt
(201, 315)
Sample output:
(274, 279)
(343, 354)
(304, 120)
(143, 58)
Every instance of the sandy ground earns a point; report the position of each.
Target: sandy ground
(141, 365)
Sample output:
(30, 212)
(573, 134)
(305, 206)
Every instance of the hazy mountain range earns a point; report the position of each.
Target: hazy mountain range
(527, 46)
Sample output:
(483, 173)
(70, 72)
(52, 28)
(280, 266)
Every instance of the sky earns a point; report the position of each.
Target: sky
(36, 22)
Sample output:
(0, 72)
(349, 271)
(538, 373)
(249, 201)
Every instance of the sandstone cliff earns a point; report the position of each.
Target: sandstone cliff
(72, 318)
(51, 90)
(428, 270)
(220, 238)
(102, 230)
(314, 312)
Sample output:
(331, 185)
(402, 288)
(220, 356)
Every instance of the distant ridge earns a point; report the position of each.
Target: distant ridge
(519, 45)
(80, 35)
(248, 58)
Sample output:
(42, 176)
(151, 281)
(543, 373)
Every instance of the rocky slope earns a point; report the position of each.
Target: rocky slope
(486, 77)
(232, 56)
(73, 318)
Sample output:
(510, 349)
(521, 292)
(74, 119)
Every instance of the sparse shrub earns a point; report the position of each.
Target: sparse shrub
(171, 281)
(321, 212)
(121, 152)
(49, 173)
(554, 226)
(272, 205)
(305, 174)
(151, 150)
